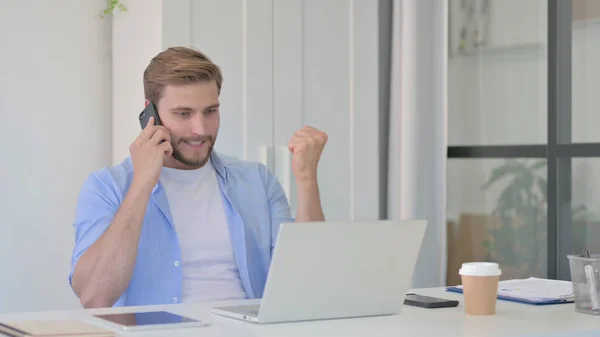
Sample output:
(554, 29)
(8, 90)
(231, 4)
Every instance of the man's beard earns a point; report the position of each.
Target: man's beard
(179, 156)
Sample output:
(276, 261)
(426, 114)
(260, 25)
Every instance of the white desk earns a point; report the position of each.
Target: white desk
(512, 319)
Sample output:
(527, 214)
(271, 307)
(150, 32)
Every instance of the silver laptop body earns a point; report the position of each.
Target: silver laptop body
(325, 270)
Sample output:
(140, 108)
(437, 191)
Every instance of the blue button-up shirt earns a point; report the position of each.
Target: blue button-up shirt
(255, 206)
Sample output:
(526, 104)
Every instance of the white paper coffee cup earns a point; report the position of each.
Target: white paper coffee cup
(480, 287)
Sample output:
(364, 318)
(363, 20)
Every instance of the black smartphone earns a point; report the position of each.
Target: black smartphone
(429, 302)
(149, 111)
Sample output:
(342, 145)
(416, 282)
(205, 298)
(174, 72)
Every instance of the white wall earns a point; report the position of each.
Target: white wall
(55, 104)
(134, 43)
(285, 64)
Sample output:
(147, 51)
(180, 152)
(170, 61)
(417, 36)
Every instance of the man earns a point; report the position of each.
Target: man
(177, 222)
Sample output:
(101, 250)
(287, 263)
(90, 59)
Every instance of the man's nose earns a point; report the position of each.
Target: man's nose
(198, 124)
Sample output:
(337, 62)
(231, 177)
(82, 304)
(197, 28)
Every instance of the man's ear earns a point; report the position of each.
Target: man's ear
(146, 102)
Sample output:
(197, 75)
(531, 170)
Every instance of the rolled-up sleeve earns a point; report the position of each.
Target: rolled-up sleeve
(96, 207)
(278, 205)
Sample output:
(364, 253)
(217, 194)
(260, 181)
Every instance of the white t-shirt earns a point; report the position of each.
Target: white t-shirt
(209, 269)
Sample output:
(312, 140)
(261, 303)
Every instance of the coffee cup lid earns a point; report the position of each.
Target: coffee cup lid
(480, 269)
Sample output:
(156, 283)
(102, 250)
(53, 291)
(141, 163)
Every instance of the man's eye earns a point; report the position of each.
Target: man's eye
(210, 111)
(183, 113)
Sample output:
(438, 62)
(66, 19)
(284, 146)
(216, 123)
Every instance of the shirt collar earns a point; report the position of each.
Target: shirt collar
(218, 165)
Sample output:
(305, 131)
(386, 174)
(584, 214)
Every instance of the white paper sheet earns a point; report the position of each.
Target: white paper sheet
(536, 289)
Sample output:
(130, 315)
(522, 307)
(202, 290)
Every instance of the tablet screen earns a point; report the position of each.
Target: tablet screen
(146, 318)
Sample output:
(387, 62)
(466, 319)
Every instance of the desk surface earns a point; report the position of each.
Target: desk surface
(512, 319)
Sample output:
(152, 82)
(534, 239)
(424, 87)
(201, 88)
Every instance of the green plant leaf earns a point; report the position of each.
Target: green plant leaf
(542, 184)
(524, 180)
(539, 164)
(580, 213)
(510, 197)
(500, 172)
(111, 5)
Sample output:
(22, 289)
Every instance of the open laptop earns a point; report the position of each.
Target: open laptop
(325, 270)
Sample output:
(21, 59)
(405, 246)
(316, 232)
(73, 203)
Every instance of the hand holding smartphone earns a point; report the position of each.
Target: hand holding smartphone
(150, 148)
(149, 111)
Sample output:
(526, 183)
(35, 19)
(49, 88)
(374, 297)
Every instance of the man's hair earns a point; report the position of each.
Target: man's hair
(176, 66)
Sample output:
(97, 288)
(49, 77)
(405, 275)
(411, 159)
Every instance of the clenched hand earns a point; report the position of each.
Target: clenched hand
(306, 146)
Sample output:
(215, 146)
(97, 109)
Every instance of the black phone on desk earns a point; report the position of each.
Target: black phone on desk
(149, 111)
(429, 302)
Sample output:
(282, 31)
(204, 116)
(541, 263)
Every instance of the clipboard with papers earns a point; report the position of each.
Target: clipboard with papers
(534, 291)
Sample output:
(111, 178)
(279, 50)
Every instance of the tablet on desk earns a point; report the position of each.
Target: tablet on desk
(149, 320)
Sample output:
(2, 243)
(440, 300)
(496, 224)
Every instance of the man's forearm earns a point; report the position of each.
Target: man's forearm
(105, 269)
(309, 201)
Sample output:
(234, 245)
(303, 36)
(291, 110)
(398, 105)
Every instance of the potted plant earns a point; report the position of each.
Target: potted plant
(521, 207)
(519, 243)
(111, 6)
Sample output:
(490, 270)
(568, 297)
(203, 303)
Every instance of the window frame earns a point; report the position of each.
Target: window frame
(559, 150)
